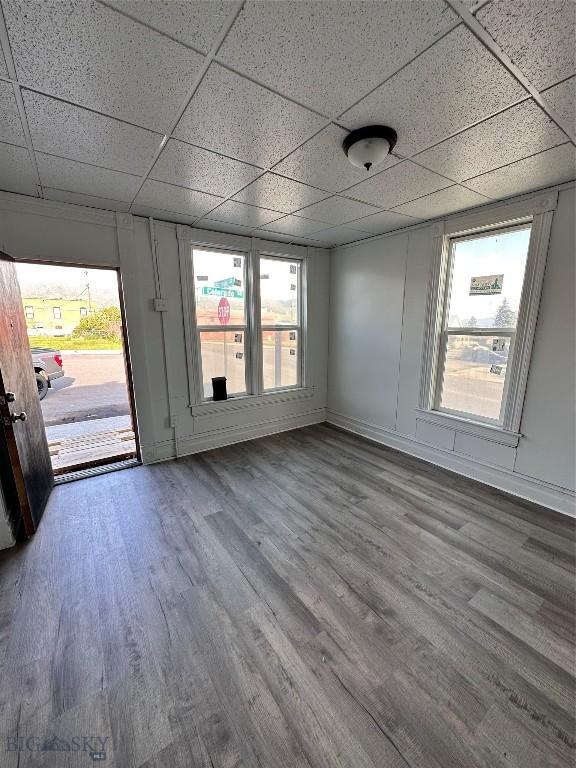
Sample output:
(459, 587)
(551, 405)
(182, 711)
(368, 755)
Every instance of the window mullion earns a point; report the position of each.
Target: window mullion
(254, 317)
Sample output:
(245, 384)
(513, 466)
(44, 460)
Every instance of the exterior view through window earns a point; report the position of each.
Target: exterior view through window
(280, 319)
(234, 330)
(220, 294)
(76, 338)
(485, 277)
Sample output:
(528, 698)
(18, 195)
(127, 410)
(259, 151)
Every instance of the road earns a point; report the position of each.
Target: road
(93, 387)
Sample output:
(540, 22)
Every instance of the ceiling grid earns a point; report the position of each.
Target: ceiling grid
(262, 96)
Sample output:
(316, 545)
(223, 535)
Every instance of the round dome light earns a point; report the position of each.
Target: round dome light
(368, 147)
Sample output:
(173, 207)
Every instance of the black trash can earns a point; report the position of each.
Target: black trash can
(219, 388)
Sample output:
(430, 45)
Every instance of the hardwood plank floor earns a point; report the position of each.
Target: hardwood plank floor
(307, 600)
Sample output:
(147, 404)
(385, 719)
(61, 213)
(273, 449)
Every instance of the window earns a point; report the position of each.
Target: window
(83, 312)
(483, 301)
(29, 311)
(57, 312)
(220, 299)
(280, 321)
(246, 318)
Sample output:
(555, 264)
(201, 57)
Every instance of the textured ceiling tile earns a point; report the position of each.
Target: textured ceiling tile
(518, 132)
(167, 197)
(279, 194)
(308, 241)
(473, 86)
(61, 129)
(224, 226)
(539, 37)
(337, 210)
(542, 170)
(386, 221)
(340, 236)
(277, 237)
(294, 225)
(321, 161)
(562, 99)
(16, 170)
(10, 125)
(162, 215)
(244, 215)
(86, 179)
(90, 201)
(3, 67)
(399, 184)
(193, 22)
(84, 52)
(325, 55)
(200, 169)
(232, 115)
(442, 203)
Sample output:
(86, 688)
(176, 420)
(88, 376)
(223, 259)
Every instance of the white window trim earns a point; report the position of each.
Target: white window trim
(538, 211)
(252, 249)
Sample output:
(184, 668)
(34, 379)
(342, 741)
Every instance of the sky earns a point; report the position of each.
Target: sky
(501, 254)
(68, 280)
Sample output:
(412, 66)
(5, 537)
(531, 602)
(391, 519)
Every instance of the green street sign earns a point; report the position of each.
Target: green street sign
(229, 282)
(228, 293)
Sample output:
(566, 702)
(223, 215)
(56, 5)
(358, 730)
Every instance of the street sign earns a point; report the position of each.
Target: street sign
(229, 282)
(229, 293)
(224, 311)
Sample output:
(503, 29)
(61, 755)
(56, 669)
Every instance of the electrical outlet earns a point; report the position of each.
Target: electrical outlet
(160, 305)
(172, 420)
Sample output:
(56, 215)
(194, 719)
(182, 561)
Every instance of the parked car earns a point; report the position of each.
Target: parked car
(47, 367)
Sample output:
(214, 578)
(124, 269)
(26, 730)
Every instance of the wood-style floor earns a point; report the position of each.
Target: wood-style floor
(308, 600)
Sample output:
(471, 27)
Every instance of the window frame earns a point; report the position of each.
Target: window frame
(57, 316)
(245, 329)
(537, 212)
(283, 327)
(252, 249)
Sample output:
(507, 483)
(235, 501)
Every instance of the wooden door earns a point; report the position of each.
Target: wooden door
(28, 470)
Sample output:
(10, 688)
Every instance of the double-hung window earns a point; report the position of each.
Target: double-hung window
(245, 318)
(280, 313)
(221, 326)
(483, 301)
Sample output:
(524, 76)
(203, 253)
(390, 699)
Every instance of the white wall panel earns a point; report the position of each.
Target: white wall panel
(417, 270)
(548, 421)
(486, 451)
(366, 298)
(441, 437)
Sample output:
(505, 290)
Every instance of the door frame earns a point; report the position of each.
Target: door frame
(126, 356)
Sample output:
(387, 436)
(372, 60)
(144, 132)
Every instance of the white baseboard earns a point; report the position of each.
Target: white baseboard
(546, 494)
(218, 439)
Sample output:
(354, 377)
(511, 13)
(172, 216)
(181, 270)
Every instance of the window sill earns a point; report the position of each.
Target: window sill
(470, 427)
(242, 402)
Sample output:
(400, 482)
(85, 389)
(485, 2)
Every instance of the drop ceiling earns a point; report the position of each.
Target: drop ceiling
(230, 116)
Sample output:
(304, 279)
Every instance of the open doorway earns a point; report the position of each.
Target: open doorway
(76, 332)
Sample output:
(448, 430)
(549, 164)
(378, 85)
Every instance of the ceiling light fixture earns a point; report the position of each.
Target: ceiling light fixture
(369, 146)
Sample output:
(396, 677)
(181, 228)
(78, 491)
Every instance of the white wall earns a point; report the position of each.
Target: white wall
(378, 296)
(58, 232)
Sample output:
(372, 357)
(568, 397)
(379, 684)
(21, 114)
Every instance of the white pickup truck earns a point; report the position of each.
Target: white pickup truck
(47, 367)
